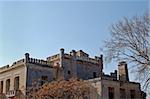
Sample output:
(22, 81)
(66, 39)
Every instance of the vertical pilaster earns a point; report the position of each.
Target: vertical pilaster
(60, 70)
(61, 57)
(74, 64)
(100, 62)
(27, 57)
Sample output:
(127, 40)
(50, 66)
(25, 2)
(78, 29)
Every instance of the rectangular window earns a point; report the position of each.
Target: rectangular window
(111, 92)
(94, 74)
(132, 94)
(16, 83)
(68, 72)
(7, 85)
(1, 87)
(122, 93)
(44, 79)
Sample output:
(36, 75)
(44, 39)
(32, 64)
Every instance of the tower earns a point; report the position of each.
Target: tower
(123, 71)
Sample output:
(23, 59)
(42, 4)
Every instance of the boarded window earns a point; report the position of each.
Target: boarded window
(1, 87)
(16, 83)
(111, 92)
(122, 93)
(7, 85)
(44, 79)
(132, 94)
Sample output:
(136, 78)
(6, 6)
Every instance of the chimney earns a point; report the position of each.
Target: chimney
(123, 71)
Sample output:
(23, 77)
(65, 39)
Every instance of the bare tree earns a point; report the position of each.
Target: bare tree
(72, 89)
(130, 41)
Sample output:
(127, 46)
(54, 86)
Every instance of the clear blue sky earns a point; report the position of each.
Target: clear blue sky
(43, 27)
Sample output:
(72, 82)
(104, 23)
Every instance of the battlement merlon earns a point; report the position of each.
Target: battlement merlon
(80, 55)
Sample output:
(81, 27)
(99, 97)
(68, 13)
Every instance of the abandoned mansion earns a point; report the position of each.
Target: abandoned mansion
(21, 74)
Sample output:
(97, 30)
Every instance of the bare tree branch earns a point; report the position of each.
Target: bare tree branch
(130, 41)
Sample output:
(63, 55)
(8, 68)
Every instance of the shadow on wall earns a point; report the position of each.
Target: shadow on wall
(2, 96)
(19, 95)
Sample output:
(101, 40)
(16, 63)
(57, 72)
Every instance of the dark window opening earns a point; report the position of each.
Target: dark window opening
(94, 74)
(132, 94)
(111, 92)
(85, 97)
(1, 87)
(7, 85)
(44, 79)
(16, 83)
(122, 93)
(68, 72)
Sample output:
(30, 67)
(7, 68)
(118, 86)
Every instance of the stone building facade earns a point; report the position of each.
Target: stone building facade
(15, 79)
(117, 86)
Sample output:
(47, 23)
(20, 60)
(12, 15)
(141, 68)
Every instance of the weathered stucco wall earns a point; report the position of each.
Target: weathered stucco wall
(35, 72)
(11, 74)
(103, 85)
(86, 70)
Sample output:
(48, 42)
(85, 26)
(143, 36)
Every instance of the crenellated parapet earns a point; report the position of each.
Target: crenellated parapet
(34, 60)
(91, 60)
(78, 55)
(37, 61)
(111, 76)
(27, 59)
(54, 57)
(14, 65)
(4, 68)
(18, 62)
